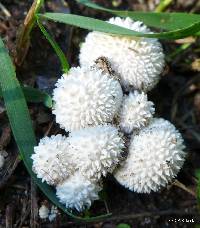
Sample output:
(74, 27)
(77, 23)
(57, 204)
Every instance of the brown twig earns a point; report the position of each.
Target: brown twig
(34, 206)
(106, 206)
(9, 216)
(49, 128)
(5, 137)
(10, 167)
(120, 217)
(25, 211)
(182, 186)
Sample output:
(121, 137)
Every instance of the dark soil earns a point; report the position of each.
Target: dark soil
(177, 98)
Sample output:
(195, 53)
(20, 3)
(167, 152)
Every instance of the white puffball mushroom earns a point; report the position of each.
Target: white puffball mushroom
(51, 162)
(77, 192)
(136, 111)
(138, 61)
(43, 212)
(53, 213)
(86, 97)
(2, 161)
(96, 150)
(156, 154)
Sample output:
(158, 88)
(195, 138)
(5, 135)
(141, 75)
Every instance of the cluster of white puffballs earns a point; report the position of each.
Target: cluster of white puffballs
(100, 109)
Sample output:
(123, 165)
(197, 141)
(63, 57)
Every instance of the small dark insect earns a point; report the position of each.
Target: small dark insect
(103, 64)
(132, 49)
(168, 162)
(142, 86)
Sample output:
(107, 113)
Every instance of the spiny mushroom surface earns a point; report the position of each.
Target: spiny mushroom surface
(51, 160)
(139, 61)
(77, 192)
(136, 111)
(86, 97)
(96, 150)
(156, 154)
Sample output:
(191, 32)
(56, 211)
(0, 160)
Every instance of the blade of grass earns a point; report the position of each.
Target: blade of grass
(35, 96)
(163, 5)
(197, 174)
(102, 26)
(55, 46)
(21, 125)
(178, 51)
(23, 38)
(167, 21)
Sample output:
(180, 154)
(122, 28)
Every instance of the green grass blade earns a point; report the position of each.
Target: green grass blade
(21, 125)
(55, 46)
(167, 21)
(35, 96)
(198, 187)
(102, 26)
(16, 107)
(163, 5)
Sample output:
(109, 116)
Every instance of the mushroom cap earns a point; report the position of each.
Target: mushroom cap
(86, 97)
(138, 61)
(43, 212)
(77, 192)
(51, 160)
(156, 154)
(96, 150)
(136, 111)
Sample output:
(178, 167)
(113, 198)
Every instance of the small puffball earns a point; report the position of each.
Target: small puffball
(96, 150)
(156, 154)
(86, 97)
(43, 212)
(77, 192)
(53, 213)
(138, 61)
(2, 161)
(51, 160)
(136, 112)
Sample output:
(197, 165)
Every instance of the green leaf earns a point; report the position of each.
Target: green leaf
(35, 96)
(21, 125)
(102, 26)
(123, 225)
(167, 21)
(55, 46)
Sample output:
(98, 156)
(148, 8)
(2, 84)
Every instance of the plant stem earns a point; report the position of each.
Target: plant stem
(163, 5)
(178, 51)
(4, 10)
(182, 186)
(23, 39)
